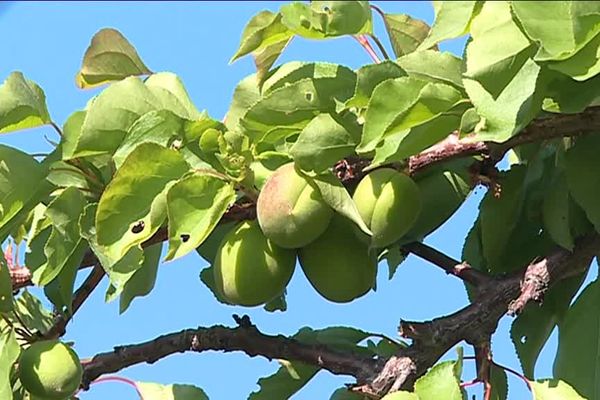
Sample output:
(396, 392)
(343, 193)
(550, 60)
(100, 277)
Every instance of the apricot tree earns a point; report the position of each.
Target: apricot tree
(334, 169)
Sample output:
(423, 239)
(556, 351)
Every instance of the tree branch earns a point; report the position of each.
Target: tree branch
(459, 269)
(80, 296)
(245, 337)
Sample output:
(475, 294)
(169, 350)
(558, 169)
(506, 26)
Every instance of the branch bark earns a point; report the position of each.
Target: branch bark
(245, 337)
(375, 377)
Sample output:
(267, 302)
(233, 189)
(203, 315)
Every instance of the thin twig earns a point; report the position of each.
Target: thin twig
(56, 128)
(364, 42)
(80, 296)
(380, 46)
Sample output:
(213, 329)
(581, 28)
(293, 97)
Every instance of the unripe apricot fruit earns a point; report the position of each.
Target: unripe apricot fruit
(290, 211)
(338, 265)
(389, 202)
(50, 370)
(249, 269)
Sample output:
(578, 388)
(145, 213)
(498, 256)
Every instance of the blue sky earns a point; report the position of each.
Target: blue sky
(195, 40)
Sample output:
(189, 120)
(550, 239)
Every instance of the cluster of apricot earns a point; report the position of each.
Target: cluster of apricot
(256, 260)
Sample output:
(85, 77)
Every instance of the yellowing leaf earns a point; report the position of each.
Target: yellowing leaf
(109, 57)
(156, 391)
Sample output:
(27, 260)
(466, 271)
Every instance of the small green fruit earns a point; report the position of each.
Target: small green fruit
(389, 202)
(50, 370)
(290, 211)
(338, 264)
(249, 269)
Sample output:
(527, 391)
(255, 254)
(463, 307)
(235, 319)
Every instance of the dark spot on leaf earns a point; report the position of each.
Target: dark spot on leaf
(184, 237)
(326, 9)
(137, 227)
(308, 96)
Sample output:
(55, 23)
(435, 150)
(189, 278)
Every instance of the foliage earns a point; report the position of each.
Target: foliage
(141, 165)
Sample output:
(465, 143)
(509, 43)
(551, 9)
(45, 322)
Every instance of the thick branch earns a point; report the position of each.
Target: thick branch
(477, 321)
(246, 338)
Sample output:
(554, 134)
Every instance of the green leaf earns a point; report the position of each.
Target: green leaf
(246, 93)
(322, 143)
(208, 248)
(116, 108)
(573, 26)
(584, 65)
(578, 358)
(132, 207)
(400, 104)
(109, 57)
(266, 57)
(20, 189)
(262, 31)
(368, 77)
(171, 95)
(142, 280)
(452, 19)
(60, 289)
(554, 389)
(32, 313)
(532, 328)
(499, 383)
(156, 391)
(441, 382)
(566, 95)
(338, 198)
(512, 110)
(582, 179)
(506, 208)
(402, 395)
(555, 212)
(160, 127)
(494, 66)
(22, 104)
(408, 142)
(296, 104)
(9, 353)
(195, 204)
(406, 33)
(434, 66)
(6, 290)
(325, 19)
(61, 248)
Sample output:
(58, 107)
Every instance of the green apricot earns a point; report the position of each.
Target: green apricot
(338, 265)
(249, 269)
(389, 202)
(290, 211)
(50, 370)
(443, 190)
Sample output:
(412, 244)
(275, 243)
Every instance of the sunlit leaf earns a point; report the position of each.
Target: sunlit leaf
(321, 143)
(578, 359)
(195, 204)
(554, 389)
(132, 207)
(491, 65)
(21, 186)
(22, 104)
(338, 198)
(9, 353)
(440, 382)
(434, 66)
(6, 296)
(156, 391)
(452, 19)
(512, 110)
(368, 77)
(109, 57)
